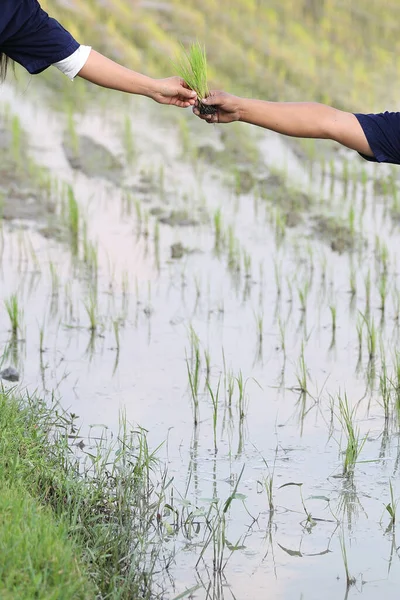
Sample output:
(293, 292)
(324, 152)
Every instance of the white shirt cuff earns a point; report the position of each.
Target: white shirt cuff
(71, 65)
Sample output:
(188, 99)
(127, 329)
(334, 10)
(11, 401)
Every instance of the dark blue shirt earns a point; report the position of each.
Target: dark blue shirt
(383, 134)
(30, 37)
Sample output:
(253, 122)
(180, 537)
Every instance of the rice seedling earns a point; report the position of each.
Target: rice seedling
(367, 282)
(259, 319)
(279, 224)
(191, 65)
(215, 401)
(354, 443)
(16, 132)
(371, 339)
(138, 210)
(73, 219)
(349, 579)
(72, 133)
(185, 135)
(247, 264)
(282, 335)
(385, 390)
(55, 280)
(207, 358)
(332, 309)
(218, 229)
(302, 373)
(230, 387)
(216, 526)
(309, 523)
(91, 307)
(267, 484)
(396, 385)
(128, 140)
(360, 328)
(278, 276)
(391, 509)
(116, 327)
(353, 280)
(193, 371)
(303, 295)
(15, 313)
(41, 339)
(383, 290)
(146, 229)
(241, 384)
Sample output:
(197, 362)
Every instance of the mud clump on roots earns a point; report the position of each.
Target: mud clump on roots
(206, 109)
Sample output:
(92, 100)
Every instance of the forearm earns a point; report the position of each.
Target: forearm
(106, 73)
(306, 120)
(297, 119)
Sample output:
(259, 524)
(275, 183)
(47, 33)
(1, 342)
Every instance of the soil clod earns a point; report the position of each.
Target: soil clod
(10, 374)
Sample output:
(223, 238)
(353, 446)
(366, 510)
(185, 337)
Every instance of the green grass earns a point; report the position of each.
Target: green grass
(63, 519)
(38, 559)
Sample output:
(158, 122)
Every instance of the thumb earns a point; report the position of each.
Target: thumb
(214, 99)
(187, 93)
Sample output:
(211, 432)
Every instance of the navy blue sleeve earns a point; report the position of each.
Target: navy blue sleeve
(383, 134)
(36, 41)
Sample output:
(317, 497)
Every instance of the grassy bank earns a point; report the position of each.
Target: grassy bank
(72, 528)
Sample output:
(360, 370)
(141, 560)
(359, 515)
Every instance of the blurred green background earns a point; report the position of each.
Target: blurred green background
(335, 51)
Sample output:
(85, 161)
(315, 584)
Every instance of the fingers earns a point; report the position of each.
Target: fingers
(215, 98)
(207, 118)
(183, 103)
(185, 92)
(212, 118)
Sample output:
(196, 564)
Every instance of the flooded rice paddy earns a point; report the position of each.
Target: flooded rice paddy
(247, 318)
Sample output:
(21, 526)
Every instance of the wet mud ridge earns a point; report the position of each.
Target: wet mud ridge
(24, 191)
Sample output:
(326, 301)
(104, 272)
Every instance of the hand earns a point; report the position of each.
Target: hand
(174, 91)
(228, 108)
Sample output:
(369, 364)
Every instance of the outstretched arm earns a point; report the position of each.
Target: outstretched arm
(104, 72)
(297, 119)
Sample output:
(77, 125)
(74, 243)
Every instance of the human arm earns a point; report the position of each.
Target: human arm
(36, 41)
(104, 72)
(296, 119)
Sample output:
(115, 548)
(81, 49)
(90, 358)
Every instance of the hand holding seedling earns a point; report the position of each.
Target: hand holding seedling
(173, 91)
(296, 119)
(227, 108)
(106, 73)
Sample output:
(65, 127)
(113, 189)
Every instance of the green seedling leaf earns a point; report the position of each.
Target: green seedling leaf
(298, 554)
(171, 508)
(233, 547)
(390, 510)
(291, 552)
(231, 497)
(169, 529)
(199, 512)
(184, 502)
(187, 592)
(239, 497)
(290, 484)
(324, 498)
